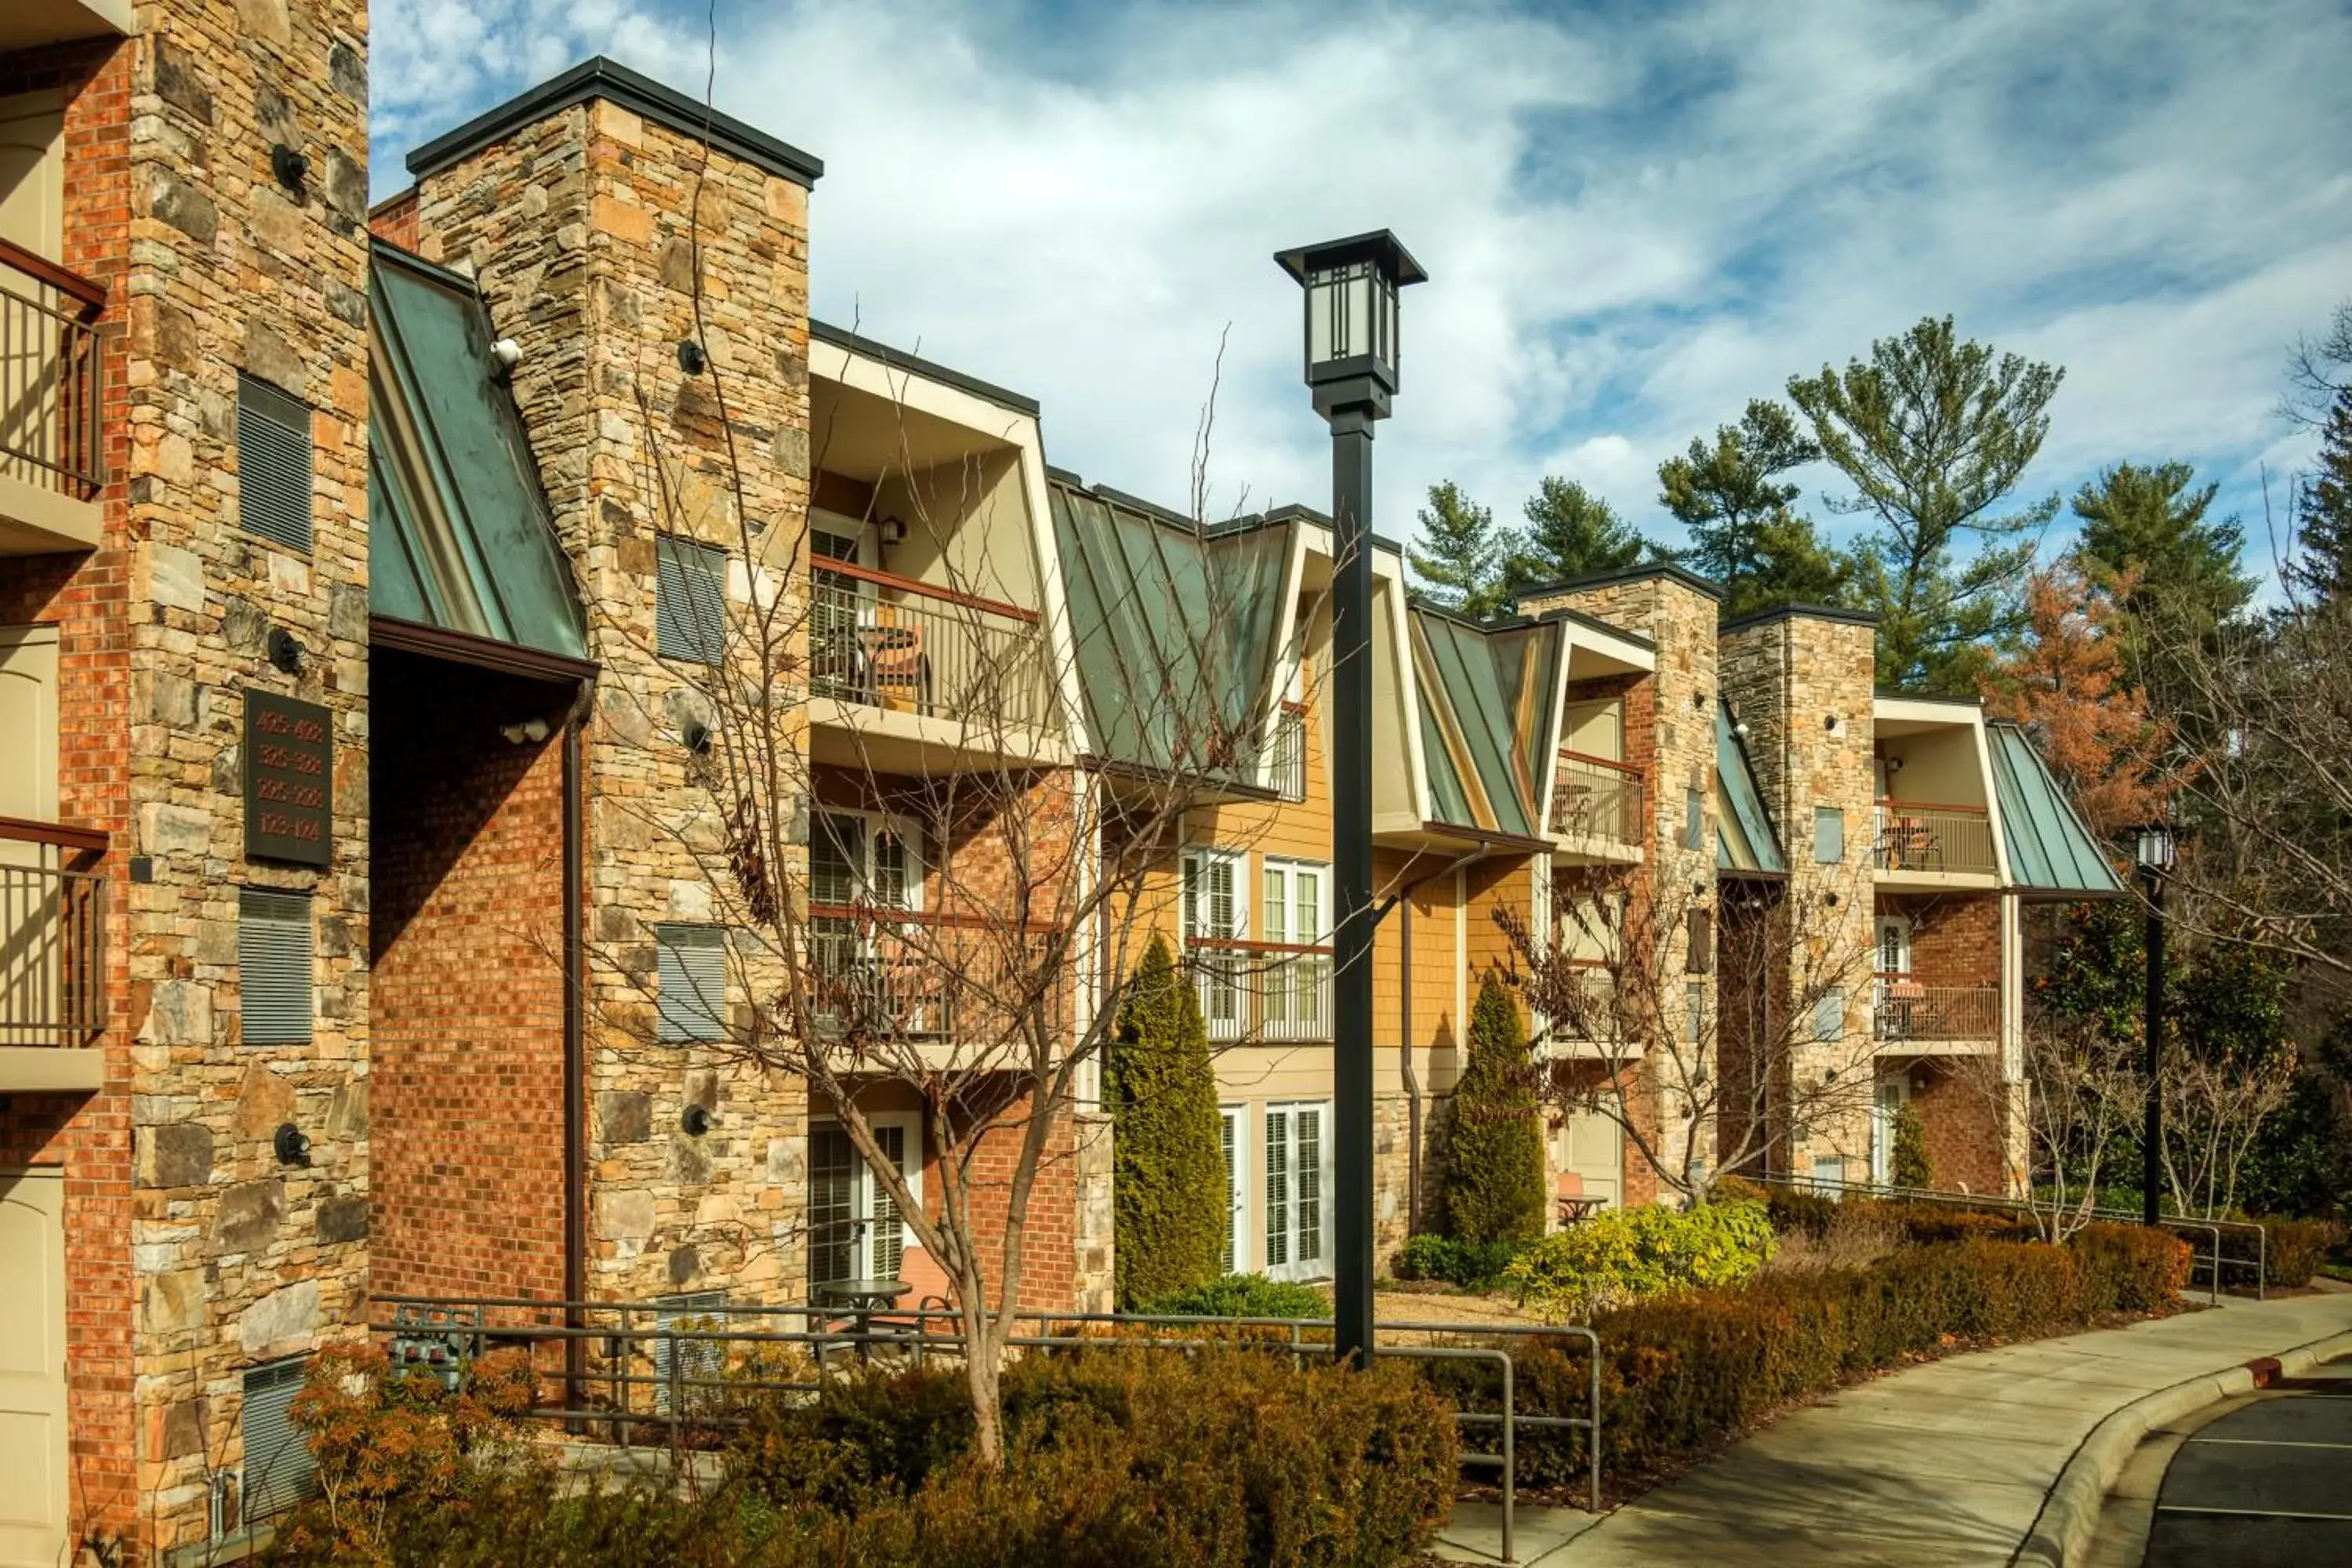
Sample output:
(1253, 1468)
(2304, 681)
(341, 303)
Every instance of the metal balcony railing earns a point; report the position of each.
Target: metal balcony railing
(885, 974)
(894, 643)
(1274, 991)
(1913, 836)
(1908, 1011)
(52, 936)
(1597, 797)
(52, 380)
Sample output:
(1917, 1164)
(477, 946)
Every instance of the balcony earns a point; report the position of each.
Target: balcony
(52, 402)
(923, 678)
(1931, 845)
(1935, 1019)
(53, 1001)
(28, 24)
(1587, 1028)
(887, 977)
(1598, 801)
(1262, 991)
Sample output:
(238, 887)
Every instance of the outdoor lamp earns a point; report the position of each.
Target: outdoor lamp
(1350, 286)
(2155, 847)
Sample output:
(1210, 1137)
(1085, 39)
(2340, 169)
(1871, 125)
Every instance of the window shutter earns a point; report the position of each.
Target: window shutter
(689, 600)
(1700, 960)
(1829, 835)
(278, 1463)
(1694, 820)
(273, 964)
(1829, 1014)
(273, 463)
(690, 987)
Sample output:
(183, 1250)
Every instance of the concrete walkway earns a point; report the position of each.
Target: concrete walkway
(1949, 1463)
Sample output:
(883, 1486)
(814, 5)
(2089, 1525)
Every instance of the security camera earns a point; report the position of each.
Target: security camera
(508, 352)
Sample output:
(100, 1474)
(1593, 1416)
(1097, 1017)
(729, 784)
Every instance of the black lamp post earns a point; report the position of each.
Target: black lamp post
(1351, 367)
(2153, 850)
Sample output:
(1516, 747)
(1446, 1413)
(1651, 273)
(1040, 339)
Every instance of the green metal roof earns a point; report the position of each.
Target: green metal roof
(2049, 850)
(460, 537)
(1487, 718)
(1168, 621)
(1744, 839)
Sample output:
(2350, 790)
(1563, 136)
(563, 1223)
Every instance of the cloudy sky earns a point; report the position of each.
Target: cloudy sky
(1635, 216)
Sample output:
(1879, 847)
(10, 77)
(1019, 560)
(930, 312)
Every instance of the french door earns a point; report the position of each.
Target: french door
(1216, 915)
(1297, 1190)
(855, 1229)
(1233, 1142)
(1297, 986)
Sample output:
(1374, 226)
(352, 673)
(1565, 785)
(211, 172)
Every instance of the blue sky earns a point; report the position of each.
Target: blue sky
(1636, 216)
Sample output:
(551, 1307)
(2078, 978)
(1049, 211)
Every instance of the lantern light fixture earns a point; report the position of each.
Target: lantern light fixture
(1351, 340)
(2154, 848)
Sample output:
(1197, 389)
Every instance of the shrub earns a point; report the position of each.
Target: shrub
(1910, 1166)
(2297, 1248)
(2128, 1268)
(1244, 1296)
(1620, 1255)
(1680, 1371)
(1495, 1161)
(1473, 1265)
(1168, 1183)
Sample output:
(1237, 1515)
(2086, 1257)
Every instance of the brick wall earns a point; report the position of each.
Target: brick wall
(1955, 938)
(466, 988)
(1962, 1125)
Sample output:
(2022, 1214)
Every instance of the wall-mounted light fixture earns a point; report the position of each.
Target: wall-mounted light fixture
(291, 1146)
(1832, 723)
(531, 730)
(286, 650)
(290, 168)
(892, 529)
(695, 1120)
(690, 357)
(697, 736)
(1893, 766)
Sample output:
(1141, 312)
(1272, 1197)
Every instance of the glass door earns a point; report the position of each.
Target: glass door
(1216, 917)
(1297, 1188)
(855, 1228)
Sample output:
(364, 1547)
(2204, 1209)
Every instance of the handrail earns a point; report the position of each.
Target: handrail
(1612, 764)
(1891, 803)
(1243, 944)
(893, 913)
(30, 830)
(851, 569)
(89, 291)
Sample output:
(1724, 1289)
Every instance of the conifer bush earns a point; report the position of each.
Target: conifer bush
(1168, 1183)
(1495, 1165)
(1910, 1164)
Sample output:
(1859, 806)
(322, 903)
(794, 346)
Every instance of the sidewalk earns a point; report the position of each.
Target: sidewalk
(1948, 1463)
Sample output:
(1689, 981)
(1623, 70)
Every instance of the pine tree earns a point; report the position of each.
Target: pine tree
(1461, 558)
(1909, 1165)
(1168, 1183)
(1495, 1166)
(1735, 510)
(1570, 533)
(2322, 565)
(1933, 433)
(2154, 518)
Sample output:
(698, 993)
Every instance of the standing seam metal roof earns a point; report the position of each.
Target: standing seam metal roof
(2049, 850)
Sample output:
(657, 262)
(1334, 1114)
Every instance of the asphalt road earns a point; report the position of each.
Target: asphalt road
(2267, 1486)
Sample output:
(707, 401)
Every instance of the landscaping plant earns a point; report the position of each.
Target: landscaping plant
(1622, 1254)
(1168, 1183)
(1495, 1161)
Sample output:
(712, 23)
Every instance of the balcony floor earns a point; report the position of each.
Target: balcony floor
(895, 741)
(51, 1069)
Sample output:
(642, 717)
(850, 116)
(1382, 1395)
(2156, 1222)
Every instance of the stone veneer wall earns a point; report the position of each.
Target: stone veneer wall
(582, 229)
(1788, 675)
(1674, 735)
(236, 1258)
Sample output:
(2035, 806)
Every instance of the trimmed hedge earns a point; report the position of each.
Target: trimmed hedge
(1473, 1264)
(2297, 1248)
(1115, 1459)
(1682, 1373)
(1494, 1157)
(1167, 1179)
(1244, 1296)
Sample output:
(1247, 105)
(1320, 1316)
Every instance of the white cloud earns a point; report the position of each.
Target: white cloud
(1634, 223)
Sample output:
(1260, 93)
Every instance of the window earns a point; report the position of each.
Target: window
(839, 604)
(273, 966)
(1233, 1127)
(691, 986)
(1829, 1014)
(857, 856)
(855, 1229)
(1217, 920)
(1295, 986)
(1290, 752)
(1894, 944)
(1693, 819)
(1829, 835)
(1298, 1180)
(689, 600)
(1700, 958)
(273, 463)
(277, 1464)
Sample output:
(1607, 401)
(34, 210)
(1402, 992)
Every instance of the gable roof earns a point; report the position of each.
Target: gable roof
(460, 538)
(2049, 850)
(1486, 718)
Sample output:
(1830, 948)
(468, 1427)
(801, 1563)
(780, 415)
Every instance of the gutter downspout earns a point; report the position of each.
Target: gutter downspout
(576, 1236)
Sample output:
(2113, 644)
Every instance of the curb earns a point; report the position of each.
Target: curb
(2069, 1510)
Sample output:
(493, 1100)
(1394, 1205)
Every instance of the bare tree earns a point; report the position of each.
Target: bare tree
(2215, 1111)
(2083, 1096)
(1701, 1091)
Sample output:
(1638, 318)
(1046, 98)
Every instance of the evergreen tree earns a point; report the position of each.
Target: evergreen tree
(1461, 559)
(1495, 1166)
(1167, 1173)
(1570, 533)
(2153, 518)
(1734, 508)
(1933, 433)
(2322, 565)
(1910, 1165)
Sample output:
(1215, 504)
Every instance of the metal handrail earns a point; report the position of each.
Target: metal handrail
(52, 375)
(1599, 796)
(892, 642)
(1922, 836)
(52, 955)
(1934, 1012)
(2260, 1260)
(1278, 991)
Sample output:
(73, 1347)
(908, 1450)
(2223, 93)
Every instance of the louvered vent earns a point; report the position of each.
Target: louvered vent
(689, 600)
(273, 957)
(691, 998)
(273, 463)
(277, 1464)
(697, 1361)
